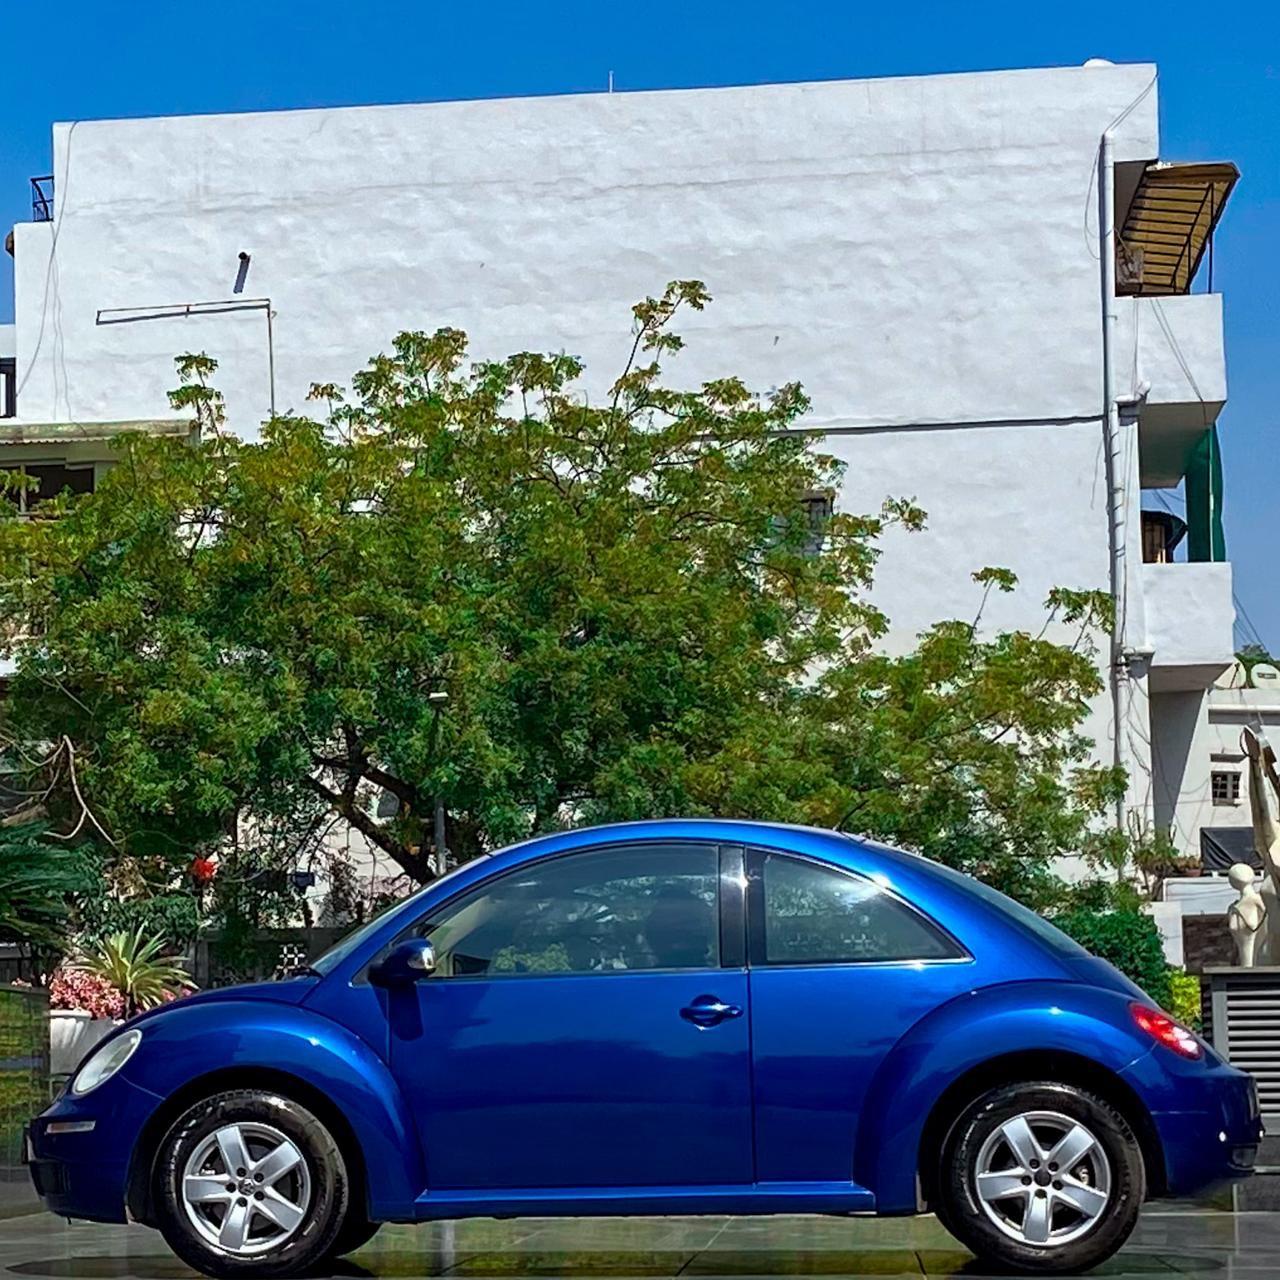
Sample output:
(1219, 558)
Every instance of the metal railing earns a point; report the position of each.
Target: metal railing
(24, 1069)
(42, 198)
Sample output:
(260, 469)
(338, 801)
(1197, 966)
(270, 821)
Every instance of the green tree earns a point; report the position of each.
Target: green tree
(41, 881)
(624, 598)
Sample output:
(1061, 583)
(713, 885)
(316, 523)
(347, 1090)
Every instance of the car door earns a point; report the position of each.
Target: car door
(841, 969)
(585, 1026)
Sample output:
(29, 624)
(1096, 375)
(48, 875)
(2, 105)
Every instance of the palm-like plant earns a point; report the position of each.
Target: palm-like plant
(133, 963)
(38, 883)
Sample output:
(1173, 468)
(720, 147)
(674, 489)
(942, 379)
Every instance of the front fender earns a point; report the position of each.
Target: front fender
(962, 1034)
(184, 1045)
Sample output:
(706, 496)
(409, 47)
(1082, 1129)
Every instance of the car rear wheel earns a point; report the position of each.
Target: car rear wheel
(250, 1183)
(1041, 1177)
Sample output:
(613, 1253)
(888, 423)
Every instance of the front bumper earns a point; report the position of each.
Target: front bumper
(1206, 1116)
(80, 1172)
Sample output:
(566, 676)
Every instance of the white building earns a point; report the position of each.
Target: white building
(930, 256)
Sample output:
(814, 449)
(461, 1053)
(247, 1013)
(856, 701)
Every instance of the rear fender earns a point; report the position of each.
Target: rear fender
(961, 1035)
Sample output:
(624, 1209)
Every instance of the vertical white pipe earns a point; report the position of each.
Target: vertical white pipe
(1117, 497)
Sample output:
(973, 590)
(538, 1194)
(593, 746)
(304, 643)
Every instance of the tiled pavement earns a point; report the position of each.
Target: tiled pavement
(1167, 1243)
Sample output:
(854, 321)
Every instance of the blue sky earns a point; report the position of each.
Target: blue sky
(1220, 99)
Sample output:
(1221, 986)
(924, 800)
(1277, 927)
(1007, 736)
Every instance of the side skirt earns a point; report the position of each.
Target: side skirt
(757, 1198)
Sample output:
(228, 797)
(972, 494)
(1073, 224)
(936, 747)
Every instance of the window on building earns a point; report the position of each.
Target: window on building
(8, 387)
(820, 915)
(1225, 786)
(818, 507)
(50, 479)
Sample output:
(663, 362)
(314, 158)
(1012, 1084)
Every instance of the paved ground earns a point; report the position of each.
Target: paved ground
(1173, 1243)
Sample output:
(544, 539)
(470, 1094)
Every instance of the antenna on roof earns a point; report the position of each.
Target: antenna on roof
(610, 81)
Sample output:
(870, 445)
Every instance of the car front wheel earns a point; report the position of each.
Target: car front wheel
(250, 1183)
(1041, 1177)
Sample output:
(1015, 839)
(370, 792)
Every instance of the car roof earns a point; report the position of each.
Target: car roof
(942, 894)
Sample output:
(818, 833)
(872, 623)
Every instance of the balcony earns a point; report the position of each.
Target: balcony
(42, 198)
(1179, 354)
(1190, 615)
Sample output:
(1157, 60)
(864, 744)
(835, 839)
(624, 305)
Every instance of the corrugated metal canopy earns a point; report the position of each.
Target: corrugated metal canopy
(1168, 225)
(16, 431)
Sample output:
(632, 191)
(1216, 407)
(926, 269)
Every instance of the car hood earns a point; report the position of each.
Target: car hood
(285, 991)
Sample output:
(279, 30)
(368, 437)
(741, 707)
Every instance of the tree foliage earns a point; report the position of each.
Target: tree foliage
(40, 882)
(622, 597)
(1130, 940)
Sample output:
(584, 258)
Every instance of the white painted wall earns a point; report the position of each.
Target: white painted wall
(974, 483)
(913, 250)
(1180, 765)
(1189, 622)
(921, 253)
(1179, 350)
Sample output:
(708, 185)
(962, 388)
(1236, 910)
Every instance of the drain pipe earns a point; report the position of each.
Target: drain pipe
(1117, 497)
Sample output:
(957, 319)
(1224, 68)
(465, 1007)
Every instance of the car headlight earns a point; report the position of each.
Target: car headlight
(103, 1063)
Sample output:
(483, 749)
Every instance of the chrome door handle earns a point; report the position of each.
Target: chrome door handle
(707, 1011)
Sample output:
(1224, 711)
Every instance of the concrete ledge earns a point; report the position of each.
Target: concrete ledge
(1190, 614)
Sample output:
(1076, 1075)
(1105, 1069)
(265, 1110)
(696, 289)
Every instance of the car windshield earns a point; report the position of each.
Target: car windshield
(345, 945)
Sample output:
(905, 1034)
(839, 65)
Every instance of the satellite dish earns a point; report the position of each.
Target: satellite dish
(1234, 677)
(1263, 675)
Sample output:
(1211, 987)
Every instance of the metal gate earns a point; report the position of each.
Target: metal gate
(1243, 1022)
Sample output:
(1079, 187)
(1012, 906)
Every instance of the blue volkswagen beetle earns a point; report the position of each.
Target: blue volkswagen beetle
(669, 1017)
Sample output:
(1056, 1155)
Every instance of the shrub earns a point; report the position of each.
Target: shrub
(71, 988)
(173, 916)
(1129, 940)
(133, 964)
(1184, 1001)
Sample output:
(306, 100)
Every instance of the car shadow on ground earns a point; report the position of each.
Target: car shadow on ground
(403, 1264)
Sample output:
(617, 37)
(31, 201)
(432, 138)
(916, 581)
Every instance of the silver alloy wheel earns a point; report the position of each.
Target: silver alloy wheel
(246, 1188)
(1043, 1179)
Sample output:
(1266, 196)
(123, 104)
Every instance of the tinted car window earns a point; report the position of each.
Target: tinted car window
(819, 915)
(603, 911)
(1042, 929)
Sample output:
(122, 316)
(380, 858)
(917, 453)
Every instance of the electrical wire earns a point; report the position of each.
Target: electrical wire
(61, 186)
(1090, 233)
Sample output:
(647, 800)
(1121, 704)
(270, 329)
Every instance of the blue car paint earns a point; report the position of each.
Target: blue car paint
(815, 1100)
(960, 1036)
(575, 1038)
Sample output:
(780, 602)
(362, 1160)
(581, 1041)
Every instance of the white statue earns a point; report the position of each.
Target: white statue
(1264, 784)
(1246, 916)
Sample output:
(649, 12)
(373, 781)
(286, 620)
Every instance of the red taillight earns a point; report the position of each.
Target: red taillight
(1159, 1026)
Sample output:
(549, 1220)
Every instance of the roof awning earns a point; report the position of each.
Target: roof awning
(1169, 224)
(15, 431)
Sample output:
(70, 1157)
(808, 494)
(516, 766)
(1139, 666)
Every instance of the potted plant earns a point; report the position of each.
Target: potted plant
(136, 968)
(83, 1007)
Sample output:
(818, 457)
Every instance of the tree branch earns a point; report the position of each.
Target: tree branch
(343, 803)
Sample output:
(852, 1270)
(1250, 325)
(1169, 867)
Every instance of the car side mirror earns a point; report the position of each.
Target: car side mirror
(406, 963)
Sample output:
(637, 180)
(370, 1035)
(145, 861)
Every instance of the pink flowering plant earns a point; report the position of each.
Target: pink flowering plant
(71, 988)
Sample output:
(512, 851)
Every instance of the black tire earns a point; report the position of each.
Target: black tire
(1075, 1240)
(355, 1232)
(318, 1183)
